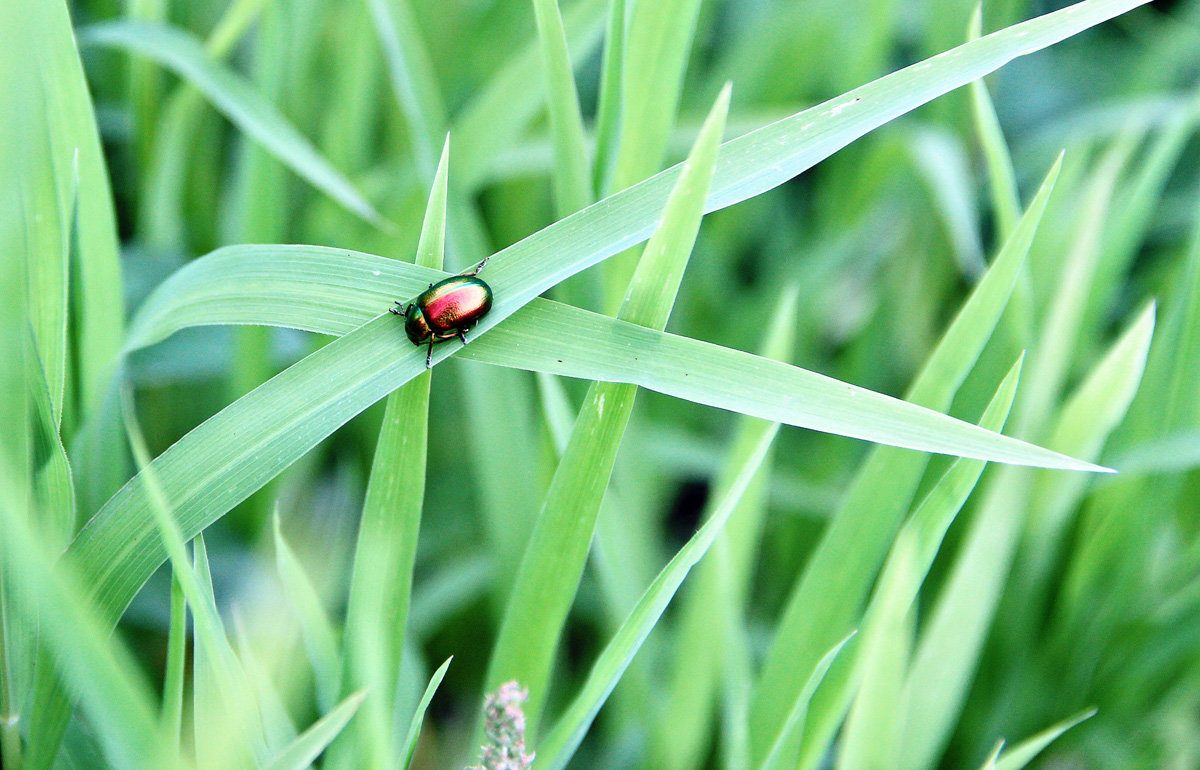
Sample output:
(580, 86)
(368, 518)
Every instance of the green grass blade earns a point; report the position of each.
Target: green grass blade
(549, 337)
(47, 252)
(1082, 425)
(793, 725)
(1136, 204)
(176, 665)
(234, 97)
(160, 214)
(240, 713)
(1110, 538)
(412, 78)
(381, 581)
(560, 743)
(656, 45)
(854, 546)
(309, 745)
(98, 669)
(278, 729)
(500, 112)
(945, 660)
(572, 171)
(716, 595)
(320, 640)
(1002, 178)
(53, 487)
(879, 663)
(608, 106)
(1023, 753)
(942, 160)
(494, 400)
(414, 726)
(61, 99)
(557, 551)
(656, 48)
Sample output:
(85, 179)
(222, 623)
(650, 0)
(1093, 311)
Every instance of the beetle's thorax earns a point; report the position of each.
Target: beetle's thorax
(415, 325)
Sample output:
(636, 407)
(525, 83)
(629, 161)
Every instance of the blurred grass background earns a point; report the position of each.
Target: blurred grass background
(1052, 593)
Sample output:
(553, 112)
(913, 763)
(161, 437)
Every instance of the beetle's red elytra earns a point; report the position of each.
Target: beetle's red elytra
(447, 309)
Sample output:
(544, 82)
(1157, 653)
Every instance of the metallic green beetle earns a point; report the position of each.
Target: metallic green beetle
(447, 309)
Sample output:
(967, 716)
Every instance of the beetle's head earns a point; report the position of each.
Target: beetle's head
(415, 325)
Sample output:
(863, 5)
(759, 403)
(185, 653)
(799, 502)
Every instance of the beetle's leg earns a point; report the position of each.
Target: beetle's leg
(479, 266)
(399, 310)
(429, 355)
(462, 335)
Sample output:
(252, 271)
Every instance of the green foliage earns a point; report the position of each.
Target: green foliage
(955, 597)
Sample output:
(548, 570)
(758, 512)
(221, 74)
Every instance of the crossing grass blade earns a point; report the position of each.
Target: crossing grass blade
(880, 657)
(554, 559)
(779, 754)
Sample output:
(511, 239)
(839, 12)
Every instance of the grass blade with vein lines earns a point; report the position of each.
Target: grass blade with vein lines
(385, 552)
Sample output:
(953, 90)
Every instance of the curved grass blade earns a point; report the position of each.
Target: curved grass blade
(1023, 753)
(793, 725)
(414, 727)
(562, 741)
(320, 639)
(237, 724)
(309, 744)
(237, 100)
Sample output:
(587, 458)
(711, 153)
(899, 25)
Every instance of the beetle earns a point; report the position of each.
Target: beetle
(447, 309)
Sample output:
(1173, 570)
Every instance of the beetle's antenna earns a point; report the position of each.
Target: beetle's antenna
(480, 265)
